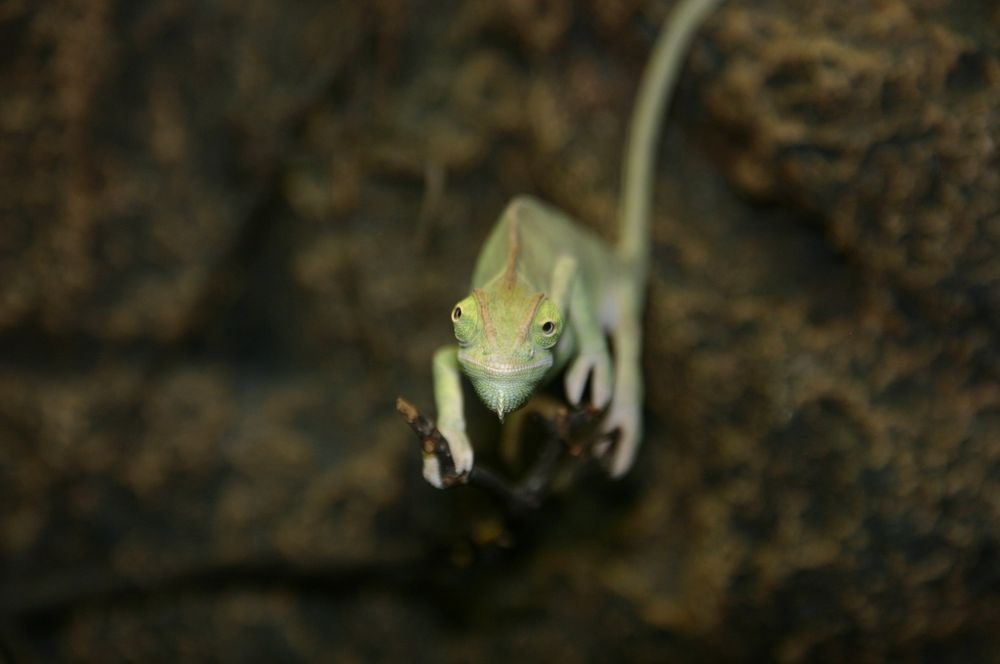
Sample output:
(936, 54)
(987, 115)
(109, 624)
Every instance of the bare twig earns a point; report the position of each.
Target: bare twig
(431, 442)
(569, 434)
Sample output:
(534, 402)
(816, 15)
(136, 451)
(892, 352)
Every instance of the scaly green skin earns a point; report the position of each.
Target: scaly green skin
(546, 291)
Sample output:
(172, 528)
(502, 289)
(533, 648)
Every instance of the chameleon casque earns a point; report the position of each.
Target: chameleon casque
(546, 291)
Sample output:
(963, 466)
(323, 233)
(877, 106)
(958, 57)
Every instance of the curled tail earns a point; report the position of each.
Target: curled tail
(657, 83)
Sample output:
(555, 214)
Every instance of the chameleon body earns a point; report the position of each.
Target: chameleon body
(546, 292)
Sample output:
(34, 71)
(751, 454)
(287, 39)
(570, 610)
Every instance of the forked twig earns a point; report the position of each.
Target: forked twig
(570, 433)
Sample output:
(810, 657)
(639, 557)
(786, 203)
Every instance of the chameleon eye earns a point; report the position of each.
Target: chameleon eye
(547, 326)
(465, 318)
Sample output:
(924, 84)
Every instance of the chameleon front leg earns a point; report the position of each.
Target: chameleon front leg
(592, 359)
(625, 413)
(450, 416)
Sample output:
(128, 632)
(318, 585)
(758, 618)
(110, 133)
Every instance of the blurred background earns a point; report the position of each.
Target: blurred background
(231, 234)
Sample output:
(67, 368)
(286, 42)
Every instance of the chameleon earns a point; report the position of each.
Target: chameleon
(547, 292)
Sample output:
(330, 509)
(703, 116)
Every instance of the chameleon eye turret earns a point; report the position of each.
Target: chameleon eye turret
(547, 327)
(465, 319)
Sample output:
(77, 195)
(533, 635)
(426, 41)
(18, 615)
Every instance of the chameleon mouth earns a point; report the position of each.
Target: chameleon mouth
(504, 387)
(505, 369)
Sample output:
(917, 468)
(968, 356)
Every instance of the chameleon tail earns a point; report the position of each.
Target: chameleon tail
(657, 83)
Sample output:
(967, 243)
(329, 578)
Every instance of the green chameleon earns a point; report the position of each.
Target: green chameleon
(546, 291)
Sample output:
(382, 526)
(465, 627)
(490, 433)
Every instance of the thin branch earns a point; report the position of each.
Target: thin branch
(571, 436)
(431, 442)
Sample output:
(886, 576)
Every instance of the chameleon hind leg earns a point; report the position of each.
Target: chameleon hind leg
(624, 417)
(592, 359)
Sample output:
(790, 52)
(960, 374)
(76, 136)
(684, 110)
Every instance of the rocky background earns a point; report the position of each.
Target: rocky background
(231, 234)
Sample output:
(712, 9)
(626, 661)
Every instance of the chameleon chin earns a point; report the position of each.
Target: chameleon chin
(546, 292)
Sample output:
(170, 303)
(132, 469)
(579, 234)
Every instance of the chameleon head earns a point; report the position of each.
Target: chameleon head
(505, 339)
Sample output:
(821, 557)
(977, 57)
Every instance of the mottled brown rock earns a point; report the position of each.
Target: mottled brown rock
(136, 139)
(878, 122)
